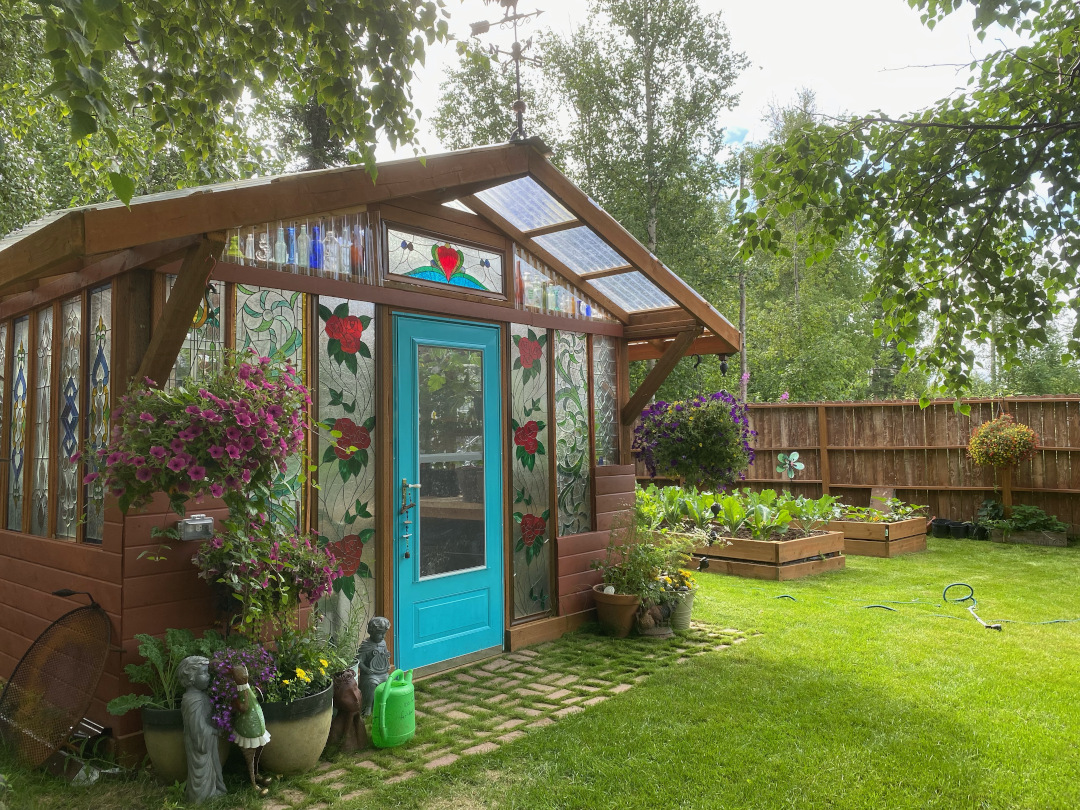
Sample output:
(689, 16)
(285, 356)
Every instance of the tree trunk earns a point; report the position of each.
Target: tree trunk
(744, 375)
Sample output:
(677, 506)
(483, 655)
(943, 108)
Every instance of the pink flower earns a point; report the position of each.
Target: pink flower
(139, 461)
(784, 397)
(233, 451)
(246, 475)
(114, 458)
(176, 464)
(194, 410)
(147, 417)
(232, 433)
(177, 446)
(186, 435)
(216, 451)
(232, 482)
(217, 490)
(196, 473)
(247, 442)
(90, 478)
(75, 458)
(158, 452)
(275, 411)
(144, 474)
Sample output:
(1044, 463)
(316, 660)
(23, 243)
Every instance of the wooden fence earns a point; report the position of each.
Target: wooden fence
(850, 447)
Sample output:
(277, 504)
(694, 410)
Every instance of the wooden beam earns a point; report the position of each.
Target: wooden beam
(289, 197)
(558, 226)
(37, 254)
(578, 203)
(499, 221)
(823, 449)
(610, 271)
(654, 349)
(632, 409)
(95, 271)
(172, 328)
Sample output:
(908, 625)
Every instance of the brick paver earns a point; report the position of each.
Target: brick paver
(476, 710)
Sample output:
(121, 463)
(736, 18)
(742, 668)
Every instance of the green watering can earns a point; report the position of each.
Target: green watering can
(393, 719)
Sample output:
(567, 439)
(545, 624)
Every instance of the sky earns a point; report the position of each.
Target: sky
(856, 55)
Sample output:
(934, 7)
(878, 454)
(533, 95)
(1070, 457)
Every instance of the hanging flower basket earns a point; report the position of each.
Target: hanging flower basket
(1002, 442)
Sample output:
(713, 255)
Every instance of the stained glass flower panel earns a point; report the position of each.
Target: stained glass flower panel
(572, 457)
(605, 413)
(425, 258)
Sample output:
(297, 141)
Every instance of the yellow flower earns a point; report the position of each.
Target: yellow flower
(301, 674)
(324, 662)
(286, 681)
(322, 670)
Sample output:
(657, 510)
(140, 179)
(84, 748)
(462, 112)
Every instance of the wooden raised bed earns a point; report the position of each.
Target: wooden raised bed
(778, 560)
(1030, 538)
(882, 539)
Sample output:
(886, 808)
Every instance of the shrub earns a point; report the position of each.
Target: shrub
(705, 440)
(1002, 442)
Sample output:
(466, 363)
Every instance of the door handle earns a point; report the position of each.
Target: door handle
(405, 487)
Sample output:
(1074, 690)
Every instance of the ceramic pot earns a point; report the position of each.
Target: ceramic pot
(681, 610)
(298, 732)
(163, 735)
(615, 611)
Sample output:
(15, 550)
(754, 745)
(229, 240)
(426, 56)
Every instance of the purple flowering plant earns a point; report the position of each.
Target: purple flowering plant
(705, 440)
(224, 437)
(262, 673)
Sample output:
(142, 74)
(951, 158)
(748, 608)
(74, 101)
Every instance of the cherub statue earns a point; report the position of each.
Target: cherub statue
(204, 779)
(373, 661)
(249, 727)
(347, 730)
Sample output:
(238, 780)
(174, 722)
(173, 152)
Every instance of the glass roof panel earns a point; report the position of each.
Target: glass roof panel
(525, 203)
(581, 250)
(633, 292)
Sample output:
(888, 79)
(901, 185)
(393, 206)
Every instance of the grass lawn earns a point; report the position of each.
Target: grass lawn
(834, 706)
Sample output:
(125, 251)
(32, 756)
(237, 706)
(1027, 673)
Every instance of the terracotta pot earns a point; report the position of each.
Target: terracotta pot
(163, 735)
(615, 611)
(681, 610)
(298, 732)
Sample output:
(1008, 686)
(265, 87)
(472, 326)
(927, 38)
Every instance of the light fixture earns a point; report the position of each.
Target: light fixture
(723, 364)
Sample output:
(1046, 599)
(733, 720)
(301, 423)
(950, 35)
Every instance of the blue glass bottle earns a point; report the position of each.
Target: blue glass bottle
(316, 259)
(290, 245)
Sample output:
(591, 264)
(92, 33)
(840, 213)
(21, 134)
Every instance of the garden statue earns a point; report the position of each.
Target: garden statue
(373, 661)
(249, 728)
(347, 730)
(204, 779)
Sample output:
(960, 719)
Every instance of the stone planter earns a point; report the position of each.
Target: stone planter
(615, 611)
(882, 539)
(681, 610)
(298, 732)
(1030, 538)
(778, 560)
(163, 735)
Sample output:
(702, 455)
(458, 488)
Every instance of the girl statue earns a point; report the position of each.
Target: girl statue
(204, 779)
(373, 661)
(249, 727)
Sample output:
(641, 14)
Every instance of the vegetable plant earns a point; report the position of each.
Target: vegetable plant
(158, 670)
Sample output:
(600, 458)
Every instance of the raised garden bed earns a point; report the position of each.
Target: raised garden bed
(778, 560)
(882, 539)
(1030, 538)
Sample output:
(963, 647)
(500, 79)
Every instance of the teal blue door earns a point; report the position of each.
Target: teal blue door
(448, 496)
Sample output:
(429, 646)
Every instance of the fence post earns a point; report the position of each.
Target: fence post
(823, 448)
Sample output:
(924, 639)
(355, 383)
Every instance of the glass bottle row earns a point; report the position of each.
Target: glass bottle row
(329, 246)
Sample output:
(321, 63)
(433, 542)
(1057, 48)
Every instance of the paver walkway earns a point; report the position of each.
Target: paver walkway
(476, 709)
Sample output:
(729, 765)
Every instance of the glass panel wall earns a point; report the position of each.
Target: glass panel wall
(572, 456)
(98, 381)
(68, 484)
(20, 375)
(425, 258)
(605, 401)
(42, 461)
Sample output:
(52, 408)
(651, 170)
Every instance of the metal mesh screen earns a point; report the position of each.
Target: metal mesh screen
(51, 687)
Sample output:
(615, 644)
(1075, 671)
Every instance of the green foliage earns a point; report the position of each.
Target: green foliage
(161, 659)
(967, 207)
(634, 565)
(898, 510)
(810, 514)
(1029, 519)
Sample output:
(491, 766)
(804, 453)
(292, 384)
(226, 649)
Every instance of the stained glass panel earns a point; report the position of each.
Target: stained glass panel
(99, 360)
(17, 438)
(271, 323)
(42, 461)
(3, 372)
(425, 258)
(67, 494)
(200, 355)
(346, 404)
(572, 433)
(605, 398)
(531, 446)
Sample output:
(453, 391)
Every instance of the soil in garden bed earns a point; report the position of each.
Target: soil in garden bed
(780, 538)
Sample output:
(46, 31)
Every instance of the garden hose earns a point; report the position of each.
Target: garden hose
(968, 597)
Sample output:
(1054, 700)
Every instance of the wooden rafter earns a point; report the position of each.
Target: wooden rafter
(608, 271)
(654, 349)
(498, 220)
(558, 226)
(655, 378)
(575, 200)
(179, 311)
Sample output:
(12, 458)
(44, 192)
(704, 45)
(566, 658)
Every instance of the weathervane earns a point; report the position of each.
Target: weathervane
(511, 18)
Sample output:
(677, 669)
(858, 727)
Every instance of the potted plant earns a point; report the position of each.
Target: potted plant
(768, 536)
(630, 580)
(163, 726)
(989, 511)
(869, 532)
(705, 441)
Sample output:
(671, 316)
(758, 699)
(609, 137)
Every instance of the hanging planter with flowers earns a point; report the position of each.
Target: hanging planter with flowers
(1002, 442)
